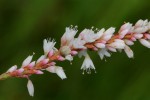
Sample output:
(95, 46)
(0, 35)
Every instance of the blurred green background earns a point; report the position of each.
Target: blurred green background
(25, 23)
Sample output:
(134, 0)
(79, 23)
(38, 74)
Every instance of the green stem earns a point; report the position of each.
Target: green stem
(4, 76)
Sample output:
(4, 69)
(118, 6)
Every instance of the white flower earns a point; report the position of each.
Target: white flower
(144, 42)
(27, 61)
(141, 26)
(77, 43)
(88, 35)
(118, 44)
(58, 70)
(126, 26)
(13, 68)
(103, 52)
(30, 88)
(108, 34)
(141, 23)
(48, 45)
(68, 35)
(128, 51)
(87, 64)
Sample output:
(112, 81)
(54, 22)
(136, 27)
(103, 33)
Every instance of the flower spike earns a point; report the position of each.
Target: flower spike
(102, 41)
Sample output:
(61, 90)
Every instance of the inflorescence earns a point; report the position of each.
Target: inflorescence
(103, 41)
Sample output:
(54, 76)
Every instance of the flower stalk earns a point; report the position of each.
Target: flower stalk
(101, 41)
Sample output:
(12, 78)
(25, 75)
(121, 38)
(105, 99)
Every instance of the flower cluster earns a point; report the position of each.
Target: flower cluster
(102, 41)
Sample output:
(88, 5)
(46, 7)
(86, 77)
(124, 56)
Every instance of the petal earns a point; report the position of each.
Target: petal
(27, 61)
(128, 51)
(13, 68)
(30, 88)
(60, 72)
(145, 43)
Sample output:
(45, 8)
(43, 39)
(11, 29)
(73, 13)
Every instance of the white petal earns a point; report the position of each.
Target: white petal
(108, 34)
(30, 88)
(13, 68)
(100, 33)
(128, 42)
(125, 26)
(82, 53)
(103, 52)
(138, 36)
(123, 33)
(139, 23)
(27, 61)
(41, 58)
(69, 57)
(118, 44)
(112, 49)
(128, 51)
(145, 43)
(60, 72)
(100, 45)
(51, 69)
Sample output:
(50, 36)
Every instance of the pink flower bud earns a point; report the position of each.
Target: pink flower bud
(45, 61)
(60, 58)
(133, 39)
(20, 70)
(50, 53)
(147, 36)
(38, 72)
(31, 65)
(52, 63)
(74, 52)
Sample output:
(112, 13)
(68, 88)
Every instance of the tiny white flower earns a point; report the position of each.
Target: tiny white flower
(144, 42)
(30, 88)
(128, 51)
(68, 35)
(48, 45)
(103, 52)
(139, 23)
(77, 43)
(69, 57)
(13, 68)
(27, 61)
(126, 26)
(58, 70)
(88, 35)
(141, 29)
(108, 34)
(87, 64)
